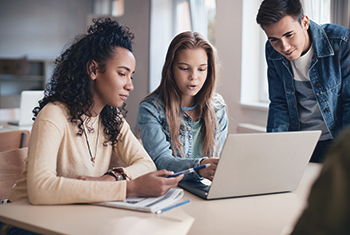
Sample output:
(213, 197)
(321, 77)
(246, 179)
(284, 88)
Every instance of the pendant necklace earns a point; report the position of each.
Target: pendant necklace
(92, 158)
(190, 109)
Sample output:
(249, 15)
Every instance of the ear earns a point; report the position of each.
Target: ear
(305, 22)
(92, 69)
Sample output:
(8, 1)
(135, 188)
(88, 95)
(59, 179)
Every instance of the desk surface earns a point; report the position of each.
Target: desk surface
(268, 214)
(4, 126)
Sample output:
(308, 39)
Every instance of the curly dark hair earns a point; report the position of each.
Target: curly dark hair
(71, 83)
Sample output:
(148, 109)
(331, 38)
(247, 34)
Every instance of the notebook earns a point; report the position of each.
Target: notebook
(29, 100)
(258, 163)
(148, 204)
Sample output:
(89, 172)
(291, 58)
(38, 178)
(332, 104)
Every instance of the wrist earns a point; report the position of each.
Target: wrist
(130, 189)
(107, 177)
(201, 161)
(120, 171)
(115, 175)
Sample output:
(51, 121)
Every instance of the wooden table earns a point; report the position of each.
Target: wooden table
(273, 214)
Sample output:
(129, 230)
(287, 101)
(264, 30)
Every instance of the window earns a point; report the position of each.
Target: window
(170, 17)
(104, 8)
(254, 70)
(340, 12)
(108, 7)
(318, 10)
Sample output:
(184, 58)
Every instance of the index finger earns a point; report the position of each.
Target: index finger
(163, 173)
(174, 180)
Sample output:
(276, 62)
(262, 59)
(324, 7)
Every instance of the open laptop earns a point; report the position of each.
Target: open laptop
(258, 163)
(29, 100)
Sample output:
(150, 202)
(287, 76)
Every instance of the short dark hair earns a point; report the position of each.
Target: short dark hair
(272, 11)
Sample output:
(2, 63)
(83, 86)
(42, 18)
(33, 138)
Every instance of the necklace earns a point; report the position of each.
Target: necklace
(189, 108)
(190, 111)
(92, 158)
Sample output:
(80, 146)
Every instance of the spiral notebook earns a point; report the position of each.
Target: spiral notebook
(146, 204)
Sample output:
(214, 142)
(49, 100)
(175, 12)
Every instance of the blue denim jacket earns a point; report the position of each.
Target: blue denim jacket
(329, 76)
(156, 139)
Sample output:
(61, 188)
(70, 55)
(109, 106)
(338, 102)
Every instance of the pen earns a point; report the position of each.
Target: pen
(173, 206)
(190, 170)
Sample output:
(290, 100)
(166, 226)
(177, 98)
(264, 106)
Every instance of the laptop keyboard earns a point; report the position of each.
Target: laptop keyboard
(202, 187)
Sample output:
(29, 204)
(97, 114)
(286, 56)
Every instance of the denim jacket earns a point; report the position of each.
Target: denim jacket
(329, 76)
(156, 139)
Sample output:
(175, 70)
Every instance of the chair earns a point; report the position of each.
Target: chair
(11, 140)
(12, 164)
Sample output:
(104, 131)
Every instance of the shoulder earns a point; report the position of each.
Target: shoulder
(125, 127)
(329, 32)
(53, 115)
(54, 112)
(153, 102)
(218, 102)
(328, 39)
(334, 31)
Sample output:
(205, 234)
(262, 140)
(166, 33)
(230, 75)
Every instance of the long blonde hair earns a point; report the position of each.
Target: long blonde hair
(170, 94)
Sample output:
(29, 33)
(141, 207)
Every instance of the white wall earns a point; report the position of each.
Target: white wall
(229, 46)
(137, 17)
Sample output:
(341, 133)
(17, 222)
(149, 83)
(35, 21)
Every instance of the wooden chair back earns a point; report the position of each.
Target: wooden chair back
(10, 140)
(12, 164)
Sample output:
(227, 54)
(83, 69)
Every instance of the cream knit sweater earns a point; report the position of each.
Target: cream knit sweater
(56, 154)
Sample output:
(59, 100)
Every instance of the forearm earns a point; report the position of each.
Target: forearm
(177, 164)
(60, 190)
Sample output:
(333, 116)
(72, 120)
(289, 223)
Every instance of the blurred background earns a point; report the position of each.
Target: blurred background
(34, 32)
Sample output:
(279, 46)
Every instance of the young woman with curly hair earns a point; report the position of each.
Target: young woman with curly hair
(79, 128)
(183, 123)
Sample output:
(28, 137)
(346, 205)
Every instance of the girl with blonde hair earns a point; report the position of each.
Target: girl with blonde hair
(183, 123)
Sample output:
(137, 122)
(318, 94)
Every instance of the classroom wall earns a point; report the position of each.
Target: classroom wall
(40, 28)
(229, 47)
(138, 16)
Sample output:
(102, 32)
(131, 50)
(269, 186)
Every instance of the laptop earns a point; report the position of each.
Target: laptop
(258, 163)
(29, 100)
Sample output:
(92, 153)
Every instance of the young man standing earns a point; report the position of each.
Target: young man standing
(308, 72)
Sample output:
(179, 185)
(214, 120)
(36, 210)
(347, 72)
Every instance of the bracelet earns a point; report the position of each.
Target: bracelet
(121, 172)
(203, 158)
(112, 173)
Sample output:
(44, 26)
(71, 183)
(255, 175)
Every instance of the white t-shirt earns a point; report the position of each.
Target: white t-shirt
(309, 112)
